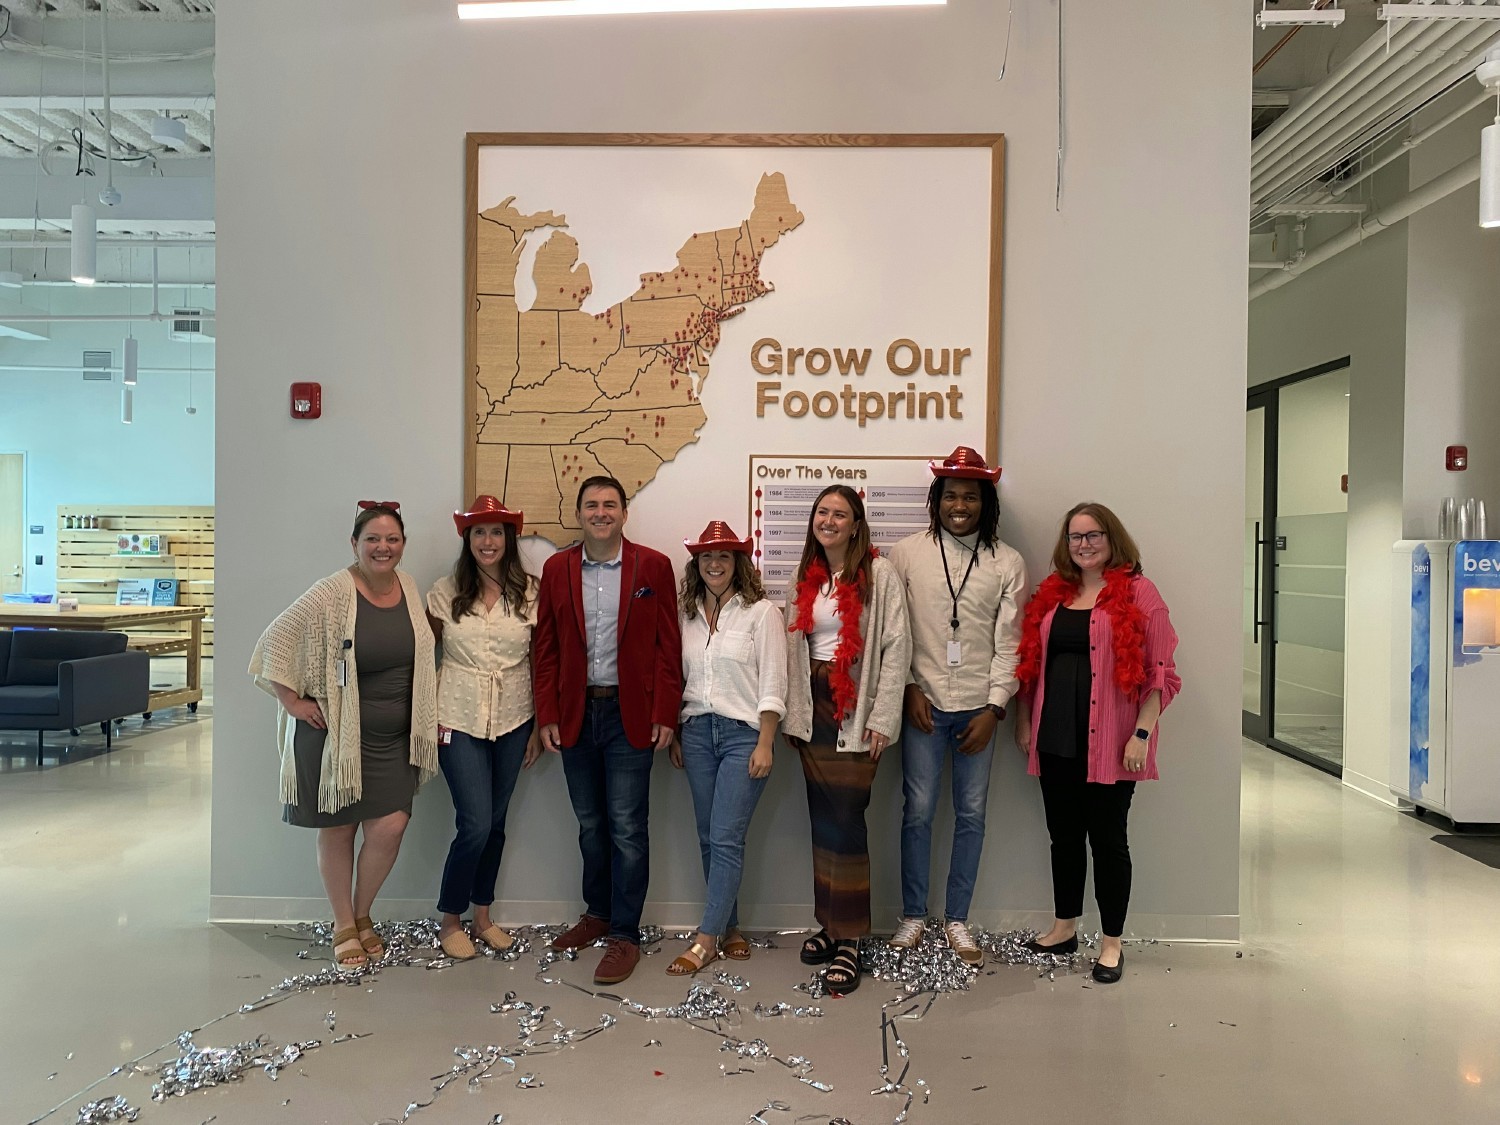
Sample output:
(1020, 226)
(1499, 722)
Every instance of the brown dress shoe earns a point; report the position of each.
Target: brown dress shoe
(585, 931)
(620, 960)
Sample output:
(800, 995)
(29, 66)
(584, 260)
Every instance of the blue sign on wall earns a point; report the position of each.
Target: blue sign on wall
(1421, 667)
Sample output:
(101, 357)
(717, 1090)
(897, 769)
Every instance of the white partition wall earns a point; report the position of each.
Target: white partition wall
(340, 217)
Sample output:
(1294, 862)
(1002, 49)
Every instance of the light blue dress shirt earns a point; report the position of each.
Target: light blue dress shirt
(601, 618)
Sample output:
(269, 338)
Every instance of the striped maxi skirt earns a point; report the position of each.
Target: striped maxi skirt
(838, 793)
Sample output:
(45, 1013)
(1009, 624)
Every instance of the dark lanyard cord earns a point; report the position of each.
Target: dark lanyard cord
(952, 593)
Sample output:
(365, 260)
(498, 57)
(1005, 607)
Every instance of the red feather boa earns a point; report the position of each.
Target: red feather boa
(1127, 623)
(849, 596)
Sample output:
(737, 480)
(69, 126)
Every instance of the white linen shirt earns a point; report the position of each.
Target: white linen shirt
(740, 670)
(484, 681)
(989, 615)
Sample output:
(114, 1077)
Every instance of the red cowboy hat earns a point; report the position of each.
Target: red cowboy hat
(966, 464)
(717, 536)
(487, 509)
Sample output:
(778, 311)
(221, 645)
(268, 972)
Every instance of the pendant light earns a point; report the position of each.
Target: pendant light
(127, 405)
(130, 361)
(1488, 74)
(85, 245)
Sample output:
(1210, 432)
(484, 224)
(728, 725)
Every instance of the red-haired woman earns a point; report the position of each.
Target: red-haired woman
(1096, 673)
(848, 654)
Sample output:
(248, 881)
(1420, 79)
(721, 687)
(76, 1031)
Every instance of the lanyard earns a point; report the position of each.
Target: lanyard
(948, 577)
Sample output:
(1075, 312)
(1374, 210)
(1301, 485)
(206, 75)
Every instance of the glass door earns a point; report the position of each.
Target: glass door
(1292, 617)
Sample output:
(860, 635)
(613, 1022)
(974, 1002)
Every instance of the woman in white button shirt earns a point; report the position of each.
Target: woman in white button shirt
(483, 614)
(734, 694)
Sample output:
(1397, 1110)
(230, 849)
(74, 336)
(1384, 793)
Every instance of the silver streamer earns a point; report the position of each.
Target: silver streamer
(782, 1008)
(529, 1082)
(728, 980)
(754, 1049)
(759, 1116)
(198, 1068)
(105, 1110)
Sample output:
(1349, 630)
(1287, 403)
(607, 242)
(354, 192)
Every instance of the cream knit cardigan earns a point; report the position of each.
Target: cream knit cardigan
(301, 650)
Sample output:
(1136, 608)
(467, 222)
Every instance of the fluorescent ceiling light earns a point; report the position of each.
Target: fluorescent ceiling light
(1328, 17)
(521, 9)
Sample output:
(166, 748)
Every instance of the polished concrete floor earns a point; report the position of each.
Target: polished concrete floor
(1364, 990)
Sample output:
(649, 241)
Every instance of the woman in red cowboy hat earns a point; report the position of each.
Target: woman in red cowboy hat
(483, 613)
(734, 694)
(1096, 672)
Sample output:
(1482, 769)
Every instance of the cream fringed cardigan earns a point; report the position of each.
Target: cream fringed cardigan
(301, 650)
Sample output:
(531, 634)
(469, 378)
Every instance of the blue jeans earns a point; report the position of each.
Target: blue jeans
(716, 757)
(609, 783)
(922, 771)
(481, 775)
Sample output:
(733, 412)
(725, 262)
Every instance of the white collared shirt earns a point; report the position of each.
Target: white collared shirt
(740, 670)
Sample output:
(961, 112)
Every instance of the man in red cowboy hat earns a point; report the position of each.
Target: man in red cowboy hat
(607, 675)
(964, 589)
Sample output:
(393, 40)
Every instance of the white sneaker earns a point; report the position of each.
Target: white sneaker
(908, 933)
(962, 942)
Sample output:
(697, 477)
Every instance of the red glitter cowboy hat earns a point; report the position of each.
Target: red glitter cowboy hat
(966, 464)
(487, 509)
(717, 536)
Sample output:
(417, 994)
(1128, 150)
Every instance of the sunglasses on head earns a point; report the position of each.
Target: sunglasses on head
(367, 505)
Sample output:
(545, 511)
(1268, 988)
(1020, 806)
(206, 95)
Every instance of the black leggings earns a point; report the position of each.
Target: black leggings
(1077, 810)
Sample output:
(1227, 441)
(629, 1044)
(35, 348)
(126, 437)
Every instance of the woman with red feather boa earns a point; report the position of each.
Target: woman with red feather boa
(1096, 671)
(848, 652)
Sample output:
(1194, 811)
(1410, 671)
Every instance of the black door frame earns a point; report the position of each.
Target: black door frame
(1258, 728)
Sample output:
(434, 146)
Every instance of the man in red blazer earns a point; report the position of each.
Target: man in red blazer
(607, 674)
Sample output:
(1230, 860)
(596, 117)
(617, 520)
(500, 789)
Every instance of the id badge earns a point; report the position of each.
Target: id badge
(341, 669)
(445, 736)
(954, 652)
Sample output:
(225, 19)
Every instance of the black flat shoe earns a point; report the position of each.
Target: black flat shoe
(1062, 948)
(1109, 974)
(818, 949)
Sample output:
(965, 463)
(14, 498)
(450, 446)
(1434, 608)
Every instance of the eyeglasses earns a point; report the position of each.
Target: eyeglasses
(1092, 538)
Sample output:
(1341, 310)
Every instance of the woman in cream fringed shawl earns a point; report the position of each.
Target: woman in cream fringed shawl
(351, 665)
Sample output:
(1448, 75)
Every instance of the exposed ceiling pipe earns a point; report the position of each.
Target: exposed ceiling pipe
(1437, 188)
(1283, 41)
(1411, 142)
(1378, 88)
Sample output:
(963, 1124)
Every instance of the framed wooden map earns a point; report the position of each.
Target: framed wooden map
(638, 301)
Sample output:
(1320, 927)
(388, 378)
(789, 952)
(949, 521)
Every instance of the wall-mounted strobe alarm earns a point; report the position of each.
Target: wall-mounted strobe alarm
(307, 400)
(1457, 458)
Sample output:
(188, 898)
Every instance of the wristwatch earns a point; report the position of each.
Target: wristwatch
(996, 710)
(1143, 734)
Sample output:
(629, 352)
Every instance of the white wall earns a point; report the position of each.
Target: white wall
(77, 450)
(340, 229)
(1355, 305)
(1453, 337)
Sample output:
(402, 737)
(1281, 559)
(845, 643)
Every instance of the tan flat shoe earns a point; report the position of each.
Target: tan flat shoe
(348, 955)
(458, 946)
(372, 944)
(496, 938)
(735, 946)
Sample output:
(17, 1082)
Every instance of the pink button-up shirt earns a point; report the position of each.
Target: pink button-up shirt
(1113, 714)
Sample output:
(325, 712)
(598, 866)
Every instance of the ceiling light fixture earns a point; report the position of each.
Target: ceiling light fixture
(1488, 74)
(522, 9)
(169, 132)
(1325, 17)
(85, 240)
(127, 405)
(131, 360)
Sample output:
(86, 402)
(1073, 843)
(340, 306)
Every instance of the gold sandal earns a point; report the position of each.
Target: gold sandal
(736, 947)
(692, 960)
(352, 960)
(372, 944)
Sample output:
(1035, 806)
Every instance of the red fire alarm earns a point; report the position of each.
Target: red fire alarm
(1458, 458)
(307, 400)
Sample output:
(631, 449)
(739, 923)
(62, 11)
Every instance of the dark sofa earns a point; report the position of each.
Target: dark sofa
(53, 679)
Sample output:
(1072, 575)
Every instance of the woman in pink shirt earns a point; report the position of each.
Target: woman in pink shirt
(1096, 673)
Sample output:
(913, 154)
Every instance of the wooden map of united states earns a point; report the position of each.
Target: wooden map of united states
(562, 394)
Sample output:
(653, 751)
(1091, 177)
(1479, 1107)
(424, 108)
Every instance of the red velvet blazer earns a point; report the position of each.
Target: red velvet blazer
(650, 645)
